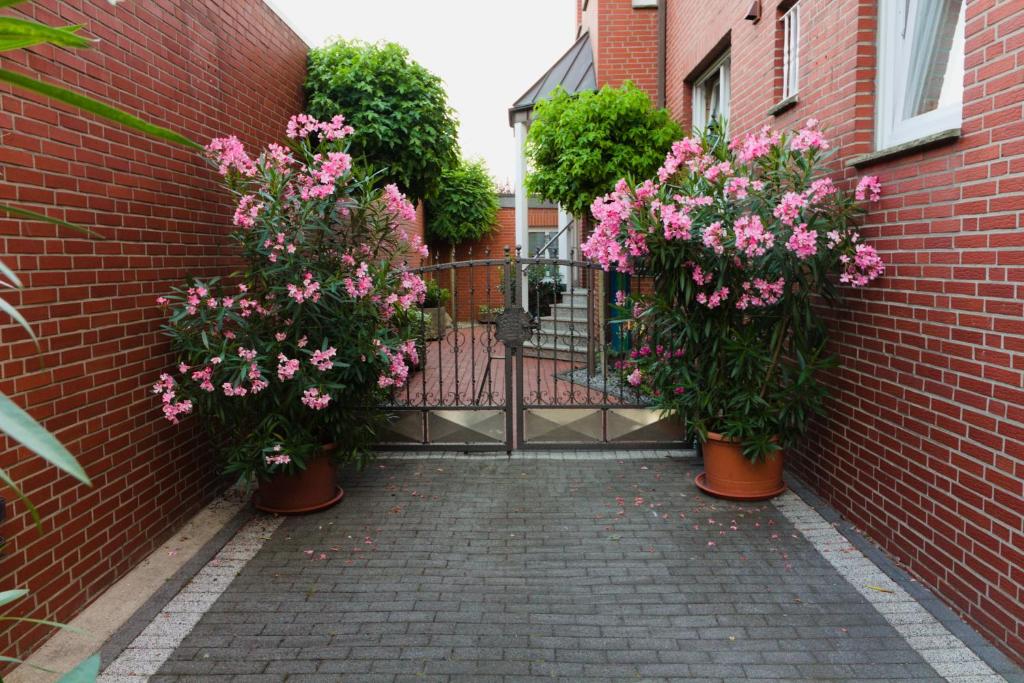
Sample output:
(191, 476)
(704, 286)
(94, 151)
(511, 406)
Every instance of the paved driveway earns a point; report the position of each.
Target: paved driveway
(496, 570)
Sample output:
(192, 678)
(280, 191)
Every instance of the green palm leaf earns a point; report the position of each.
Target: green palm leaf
(95, 107)
(21, 427)
(33, 215)
(9, 483)
(16, 33)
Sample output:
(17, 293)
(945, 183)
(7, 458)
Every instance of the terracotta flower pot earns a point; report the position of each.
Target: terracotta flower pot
(314, 488)
(728, 474)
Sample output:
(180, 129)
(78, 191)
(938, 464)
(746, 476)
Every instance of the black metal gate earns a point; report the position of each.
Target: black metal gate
(524, 353)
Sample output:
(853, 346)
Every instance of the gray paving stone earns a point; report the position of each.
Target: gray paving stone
(493, 569)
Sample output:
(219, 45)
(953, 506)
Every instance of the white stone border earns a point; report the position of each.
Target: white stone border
(946, 653)
(147, 653)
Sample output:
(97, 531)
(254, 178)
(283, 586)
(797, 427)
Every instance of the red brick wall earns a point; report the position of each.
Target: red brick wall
(923, 446)
(626, 43)
(475, 286)
(201, 67)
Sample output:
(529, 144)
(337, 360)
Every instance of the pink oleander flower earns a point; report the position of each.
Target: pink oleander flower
(803, 242)
(335, 129)
(677, 223)
(397, 204)
(760, 293)
(162, 301)
(231, 390)
(723, 169)
(278, 459)
(755, 145)
(788, 210)
(362, 285)
(716, 298)
(820, 188)
(681, 152)
(712, 237)
(809, 137)
(229, 153)
(322, 359)
(247, 211)
(205, 378)
(737, 186)
(286, 367)
(246, 354)
(301, 126)
(751, 237)
(620, 298)
(280, 336)
(312, 398)
(865, 266)
(869, 188)
(309, 291)
(635, 378)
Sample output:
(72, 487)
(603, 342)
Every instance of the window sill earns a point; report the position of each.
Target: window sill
(917, 145)
(783, 106)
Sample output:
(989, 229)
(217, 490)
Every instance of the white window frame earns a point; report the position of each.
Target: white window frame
(791, 52)
(721, 66)
(896, 26)
(548, 233)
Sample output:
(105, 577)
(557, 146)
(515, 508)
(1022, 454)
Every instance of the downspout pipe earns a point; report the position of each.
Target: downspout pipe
(662, 39)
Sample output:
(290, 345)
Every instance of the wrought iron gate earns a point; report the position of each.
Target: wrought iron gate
(525, 353)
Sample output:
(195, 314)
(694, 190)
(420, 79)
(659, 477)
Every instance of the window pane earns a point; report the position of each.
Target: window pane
(936, 69)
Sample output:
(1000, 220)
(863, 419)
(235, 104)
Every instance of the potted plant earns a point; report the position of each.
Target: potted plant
(433, 306)
(487, 313)
(744, 240)
(286, 360)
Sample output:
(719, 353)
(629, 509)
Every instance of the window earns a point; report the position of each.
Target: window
(711, 94)
(791, 52)
(920, 69)
(538, 238)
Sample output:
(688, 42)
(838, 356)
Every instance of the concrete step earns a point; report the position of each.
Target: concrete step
(545, 349)
(566, 341)
(578, 328)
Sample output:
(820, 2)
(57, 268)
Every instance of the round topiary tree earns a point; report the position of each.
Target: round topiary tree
(464, 205)
(399, 110)
(580, 145)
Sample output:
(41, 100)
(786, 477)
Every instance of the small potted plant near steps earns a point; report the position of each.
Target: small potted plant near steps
(286, 360)
(745, 241)
(433, 306)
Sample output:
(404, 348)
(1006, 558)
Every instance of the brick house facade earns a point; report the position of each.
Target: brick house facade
(923, 445)
(203, 68)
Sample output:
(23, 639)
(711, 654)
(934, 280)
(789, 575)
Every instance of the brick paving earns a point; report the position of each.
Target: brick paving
(575, 570)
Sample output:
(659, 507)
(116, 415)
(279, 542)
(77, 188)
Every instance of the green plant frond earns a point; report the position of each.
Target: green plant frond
(34, 215)
(17, 33)
(95, 107)
(6, 480)
(21, 427)
(8, 308)
(45, 622)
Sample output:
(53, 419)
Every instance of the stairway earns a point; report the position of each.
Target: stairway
(565, 333)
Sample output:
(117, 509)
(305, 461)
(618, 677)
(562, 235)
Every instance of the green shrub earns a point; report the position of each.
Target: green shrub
(464, 207)
(399, 110)
(580, 145)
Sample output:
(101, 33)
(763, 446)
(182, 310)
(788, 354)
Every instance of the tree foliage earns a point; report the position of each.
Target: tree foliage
(580, 145)
(464, 206)
(399, 110)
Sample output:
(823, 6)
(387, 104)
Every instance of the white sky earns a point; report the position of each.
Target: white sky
(488, 52)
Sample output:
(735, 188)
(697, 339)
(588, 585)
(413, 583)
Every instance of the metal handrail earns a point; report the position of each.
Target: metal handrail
(553, 239)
